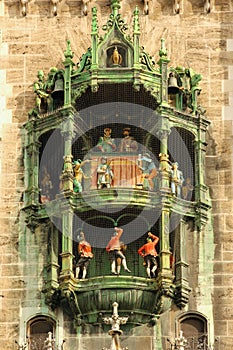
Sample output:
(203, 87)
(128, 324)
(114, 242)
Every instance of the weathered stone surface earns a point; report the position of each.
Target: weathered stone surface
(222, 329)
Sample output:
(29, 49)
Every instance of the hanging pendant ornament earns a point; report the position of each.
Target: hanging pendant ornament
(207, 6)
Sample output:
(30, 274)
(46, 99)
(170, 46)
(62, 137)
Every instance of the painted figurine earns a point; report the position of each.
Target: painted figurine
(106, 143)
(39, 89)
(104, 174)
(187, 189)
(46, 186)
(177, 180)
(114, 248)
(149, 254)
(128, 144)
(149, 172)
(85, 256)
(79, 175)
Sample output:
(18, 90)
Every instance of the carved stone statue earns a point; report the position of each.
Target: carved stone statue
(39, 89)
(49, 83)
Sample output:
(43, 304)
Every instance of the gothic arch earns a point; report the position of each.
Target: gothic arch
(38, 328)
(194, 326)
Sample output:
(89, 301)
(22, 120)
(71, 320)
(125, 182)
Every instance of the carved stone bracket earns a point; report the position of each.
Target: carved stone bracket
(182, 293)
(24, 4)
(146, 7)
(85, 7)
(207, 6)
(55, 4)
(21, 346)
(177, 7)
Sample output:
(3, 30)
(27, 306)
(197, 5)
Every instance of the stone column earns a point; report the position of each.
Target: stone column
(181, 266)
(165, 253)
(68, 134)
(67, 243)
(201, 190)
(31, 168)
(52, 269)
(163, 131)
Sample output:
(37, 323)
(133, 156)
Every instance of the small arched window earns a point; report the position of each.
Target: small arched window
(195, 329)
(37, 332)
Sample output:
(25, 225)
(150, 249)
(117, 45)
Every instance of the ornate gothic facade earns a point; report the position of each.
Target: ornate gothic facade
(116, 175)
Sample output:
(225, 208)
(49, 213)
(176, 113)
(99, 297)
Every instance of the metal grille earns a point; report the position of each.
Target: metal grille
(198, 342)
(37, 341)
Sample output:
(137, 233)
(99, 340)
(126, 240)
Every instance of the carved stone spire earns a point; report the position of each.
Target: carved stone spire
(68, 53)
(136, 26)
(115, 331)
(115, 5)
(163, 50)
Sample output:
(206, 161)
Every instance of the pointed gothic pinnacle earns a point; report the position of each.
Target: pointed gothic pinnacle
(94, 23)
(68, 53)
(136, 21)
(163, 50)
(115, 5)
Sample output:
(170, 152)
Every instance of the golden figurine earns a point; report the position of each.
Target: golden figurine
(116, 57)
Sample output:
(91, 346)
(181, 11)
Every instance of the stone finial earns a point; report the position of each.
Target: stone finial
(49, 342)
(115, 331)
(136, 21)
(115, 5)
(179, 343)
(68, 53)
(94, 23)
(163, 50)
